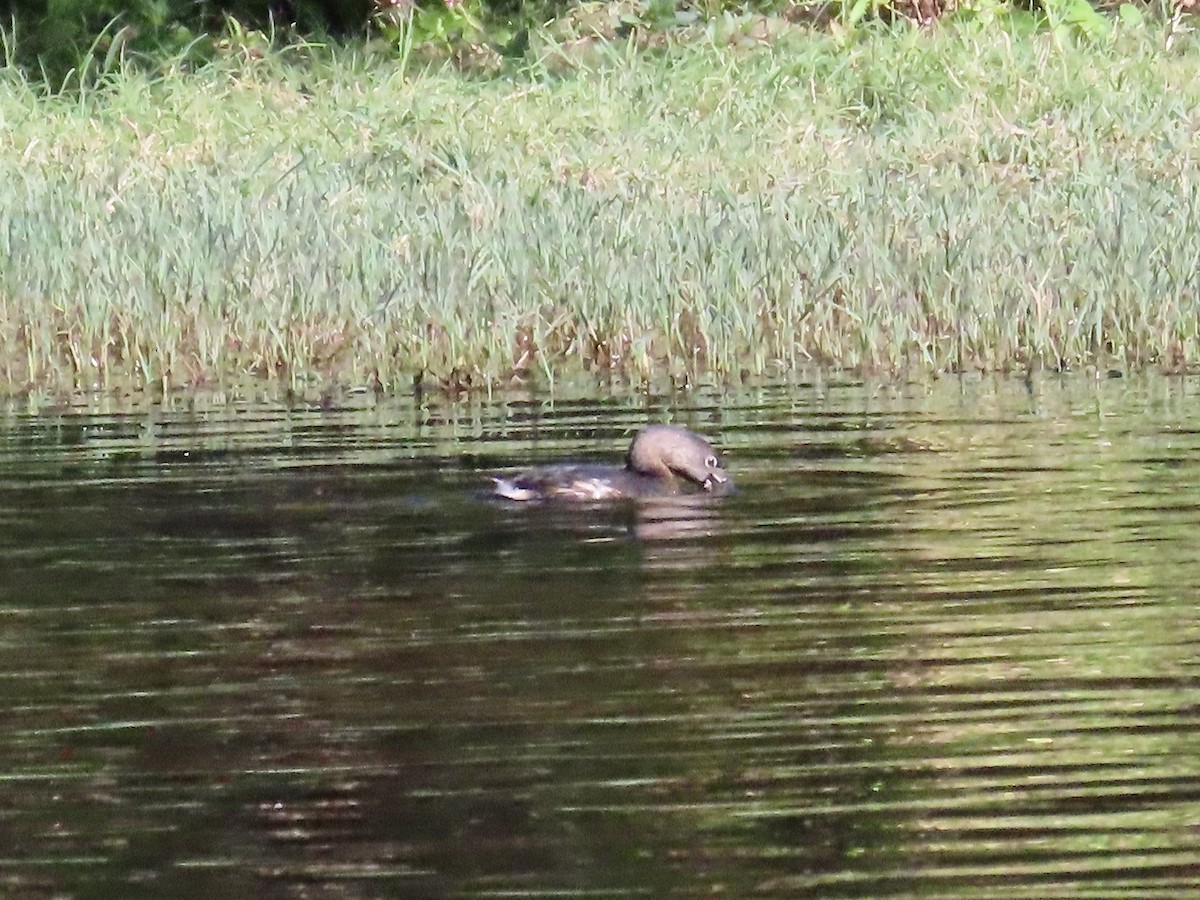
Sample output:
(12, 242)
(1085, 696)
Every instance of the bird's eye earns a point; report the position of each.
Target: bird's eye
(711, 462)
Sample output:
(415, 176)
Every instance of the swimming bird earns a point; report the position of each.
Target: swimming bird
(662, 460)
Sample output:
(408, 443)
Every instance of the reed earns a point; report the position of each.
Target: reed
(918, 201)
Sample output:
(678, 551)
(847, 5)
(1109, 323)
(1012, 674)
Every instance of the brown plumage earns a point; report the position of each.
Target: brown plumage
(662, 460)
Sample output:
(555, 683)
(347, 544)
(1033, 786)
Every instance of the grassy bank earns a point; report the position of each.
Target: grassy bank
(934, 200)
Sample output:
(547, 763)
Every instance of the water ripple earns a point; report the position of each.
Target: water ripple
(942, 641)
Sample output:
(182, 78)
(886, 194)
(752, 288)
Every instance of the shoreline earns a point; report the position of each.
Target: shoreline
(910, 203)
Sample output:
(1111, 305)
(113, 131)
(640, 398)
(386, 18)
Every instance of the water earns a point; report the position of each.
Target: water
(942, 642)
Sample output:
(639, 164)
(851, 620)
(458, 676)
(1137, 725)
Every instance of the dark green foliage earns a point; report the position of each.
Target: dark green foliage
(341, 16)
(59, 39)
(72, 41)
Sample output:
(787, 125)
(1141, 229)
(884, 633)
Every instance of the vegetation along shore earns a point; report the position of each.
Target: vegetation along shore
(747, 194)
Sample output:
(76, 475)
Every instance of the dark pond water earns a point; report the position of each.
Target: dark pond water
(942, 642)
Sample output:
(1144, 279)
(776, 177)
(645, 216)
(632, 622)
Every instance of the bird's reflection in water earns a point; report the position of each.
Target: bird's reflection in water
(677, 518)
(679, 531)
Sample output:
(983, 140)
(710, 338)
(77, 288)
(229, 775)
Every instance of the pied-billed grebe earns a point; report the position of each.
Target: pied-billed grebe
(662, 460)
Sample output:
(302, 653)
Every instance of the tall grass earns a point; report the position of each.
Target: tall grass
(924, 201)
